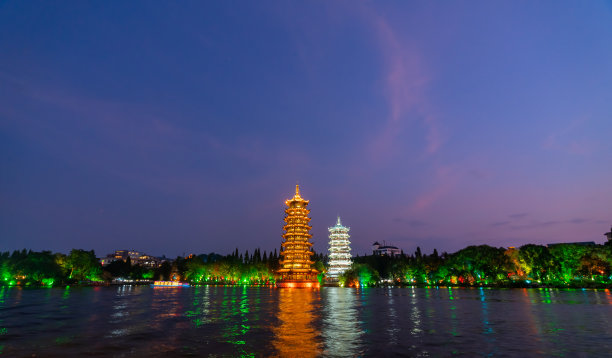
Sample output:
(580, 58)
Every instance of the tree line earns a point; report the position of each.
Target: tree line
(31, 268)
(559, 265)
(562, 265)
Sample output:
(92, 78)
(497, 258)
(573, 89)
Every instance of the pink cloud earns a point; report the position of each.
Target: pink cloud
(565, 139)
(406, 82)
(444, 181)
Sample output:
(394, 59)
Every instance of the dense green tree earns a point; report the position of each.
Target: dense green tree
(83, 265)
(567, 260)
(482, 264)
(360, 275)
(536, 261)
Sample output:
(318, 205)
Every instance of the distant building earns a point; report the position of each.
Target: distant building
(609, 234)
(149, 261)
(382, 250)
(136, 258)
(581, 243)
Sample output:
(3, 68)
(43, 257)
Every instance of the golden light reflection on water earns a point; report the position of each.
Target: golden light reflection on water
(296, 336)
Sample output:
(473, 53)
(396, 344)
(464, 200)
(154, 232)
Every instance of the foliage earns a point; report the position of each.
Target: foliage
(360, 275)
(46, 269)
(83, 266)
(558, 265)
(562, 265)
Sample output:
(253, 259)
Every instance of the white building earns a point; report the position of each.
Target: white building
(378, 249)
(339, 251)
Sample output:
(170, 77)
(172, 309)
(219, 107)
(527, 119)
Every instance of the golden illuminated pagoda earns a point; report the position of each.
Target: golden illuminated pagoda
(295, 263)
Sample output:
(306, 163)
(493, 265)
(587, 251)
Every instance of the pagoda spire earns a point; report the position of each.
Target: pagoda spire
(297, 192)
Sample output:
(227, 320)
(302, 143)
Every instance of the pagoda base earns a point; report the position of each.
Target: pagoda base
(297, 284)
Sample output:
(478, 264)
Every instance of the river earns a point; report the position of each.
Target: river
(135, 321)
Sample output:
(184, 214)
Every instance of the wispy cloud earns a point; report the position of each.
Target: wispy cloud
(518, 216)
(133, 141)
(578, 221)
(413, 223)
(567, 140)
(406, 81)
(501, 223)
(444, 180)
(519, 221)
(535, 224)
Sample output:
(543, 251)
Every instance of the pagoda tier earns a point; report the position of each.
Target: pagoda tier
(339, 252)
(296, 252)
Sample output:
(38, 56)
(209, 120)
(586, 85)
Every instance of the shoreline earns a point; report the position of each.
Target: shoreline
(515, 286)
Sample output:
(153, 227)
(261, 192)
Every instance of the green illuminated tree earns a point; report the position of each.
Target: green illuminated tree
(83, 265)
(536, 261)
(567, 260)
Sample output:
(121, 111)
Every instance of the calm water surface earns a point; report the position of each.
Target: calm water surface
(336, 322)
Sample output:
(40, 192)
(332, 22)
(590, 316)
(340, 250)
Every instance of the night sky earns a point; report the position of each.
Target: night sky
(181, 127)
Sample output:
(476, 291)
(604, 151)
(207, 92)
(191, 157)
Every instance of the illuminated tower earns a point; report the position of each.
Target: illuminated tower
(295, 263)
(339, 251)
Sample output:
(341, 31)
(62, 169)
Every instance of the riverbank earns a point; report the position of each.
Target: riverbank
(588, 285)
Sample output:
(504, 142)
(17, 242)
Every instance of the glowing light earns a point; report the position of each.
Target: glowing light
(296, 251)
(169, 284)
(339, 251)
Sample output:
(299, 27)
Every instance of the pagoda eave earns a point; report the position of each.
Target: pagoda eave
(282, 262)
(306, 243)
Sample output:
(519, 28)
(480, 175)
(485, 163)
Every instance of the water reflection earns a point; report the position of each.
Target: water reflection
(235, 312)
(200, 314)
(332, 322)
(392, 329)
(296, 336)
(120, 312)
(453, 315)
(415, 314)
(341, 331)
(166, 307)
(487, 328)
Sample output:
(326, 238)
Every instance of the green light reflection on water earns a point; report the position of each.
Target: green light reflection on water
(200, 314)
(485, 313)
(235, 311)
(3, 330)
(545, 296)
(453, 308)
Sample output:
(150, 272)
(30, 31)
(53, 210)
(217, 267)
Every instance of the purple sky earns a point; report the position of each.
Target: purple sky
(182, 127)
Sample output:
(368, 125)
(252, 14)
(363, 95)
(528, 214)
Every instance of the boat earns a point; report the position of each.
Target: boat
(169, 284)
